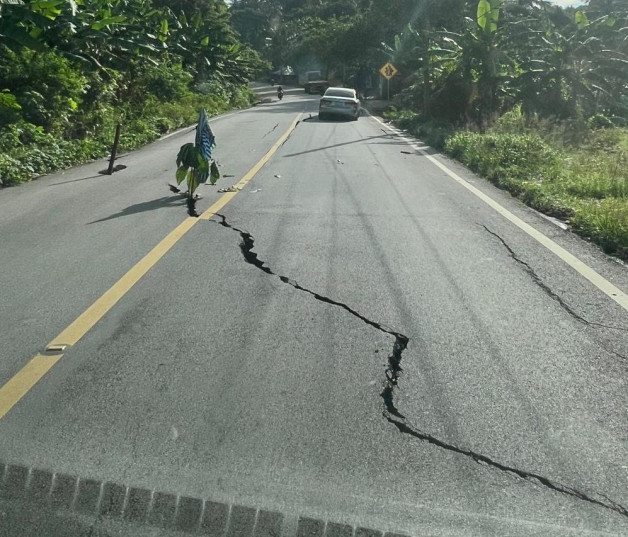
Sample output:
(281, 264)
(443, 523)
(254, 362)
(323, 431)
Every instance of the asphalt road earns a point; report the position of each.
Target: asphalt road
(405, 360)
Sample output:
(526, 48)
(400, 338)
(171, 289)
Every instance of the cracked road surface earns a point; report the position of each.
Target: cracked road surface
(355, 339)
(394, 369)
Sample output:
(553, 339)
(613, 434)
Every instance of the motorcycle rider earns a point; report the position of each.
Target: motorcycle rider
(280, 93)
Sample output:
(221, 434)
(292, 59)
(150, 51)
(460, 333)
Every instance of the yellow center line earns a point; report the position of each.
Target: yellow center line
(24, 380)
(19, 385)
(579, 266)
(86, 320)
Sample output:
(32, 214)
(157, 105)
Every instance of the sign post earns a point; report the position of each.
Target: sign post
(388, 71)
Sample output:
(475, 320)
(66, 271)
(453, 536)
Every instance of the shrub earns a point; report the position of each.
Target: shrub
(434, 132)
(242, 97)
(510, 156)
(27, 151)
(404, 118)
(599, 121)
(606, 222)
(512, 122)
(166, 81)
(9, 108)
(48, 87)
(12, 171)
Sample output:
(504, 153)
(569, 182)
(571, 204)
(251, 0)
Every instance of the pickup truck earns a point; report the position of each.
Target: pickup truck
(314, 82)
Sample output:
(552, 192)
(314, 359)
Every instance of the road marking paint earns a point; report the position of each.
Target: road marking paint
(84, 322)
(582, 268)
(24, 380)
(20, 384)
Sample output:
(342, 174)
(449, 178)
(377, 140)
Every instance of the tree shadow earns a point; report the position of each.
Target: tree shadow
(360, 140)
(75, 180)
(282, 107)
(331, 119)
(159, 203)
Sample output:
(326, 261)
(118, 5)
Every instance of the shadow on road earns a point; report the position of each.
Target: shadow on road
(359, 140)
(75, 180)
(159, 203)
(316, 119)
(284, 106)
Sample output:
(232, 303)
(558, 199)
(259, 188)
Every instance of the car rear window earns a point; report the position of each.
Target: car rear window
(339, 93)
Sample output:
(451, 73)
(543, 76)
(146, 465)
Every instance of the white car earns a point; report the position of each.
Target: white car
(339, 102)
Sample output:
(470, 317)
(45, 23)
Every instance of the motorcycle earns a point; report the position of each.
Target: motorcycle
(280, 93)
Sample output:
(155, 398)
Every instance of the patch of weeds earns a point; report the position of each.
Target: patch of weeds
(586, 185)
(605, 222)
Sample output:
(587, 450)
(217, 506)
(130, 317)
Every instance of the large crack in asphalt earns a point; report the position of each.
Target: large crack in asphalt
(537, 279)
(393, 371)
(247, 245)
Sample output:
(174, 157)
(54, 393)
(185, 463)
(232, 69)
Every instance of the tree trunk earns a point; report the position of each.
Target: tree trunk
(426, 78)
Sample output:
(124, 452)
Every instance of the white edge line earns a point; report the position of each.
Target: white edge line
(582, 268)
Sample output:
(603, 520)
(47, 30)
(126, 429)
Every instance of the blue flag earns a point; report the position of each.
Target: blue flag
(205, 139)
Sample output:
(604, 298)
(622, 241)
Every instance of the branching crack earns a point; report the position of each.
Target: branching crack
(247, 245)
(393, 372)
(271, 130)
(535, 277)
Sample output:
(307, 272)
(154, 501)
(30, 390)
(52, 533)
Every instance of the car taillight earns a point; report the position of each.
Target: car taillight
(348, 103)
(325, 101)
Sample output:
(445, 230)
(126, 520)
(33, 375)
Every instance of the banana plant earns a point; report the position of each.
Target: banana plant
(195, 169)
(99, 33)
(579, 69)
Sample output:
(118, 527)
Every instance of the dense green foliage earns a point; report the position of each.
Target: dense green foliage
(464, 61)
(71, 70)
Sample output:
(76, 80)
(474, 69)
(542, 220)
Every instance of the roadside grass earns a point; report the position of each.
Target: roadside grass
(571, 171)
(27, 151)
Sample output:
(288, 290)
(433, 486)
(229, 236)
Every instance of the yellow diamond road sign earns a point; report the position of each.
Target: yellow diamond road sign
(388, 71)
